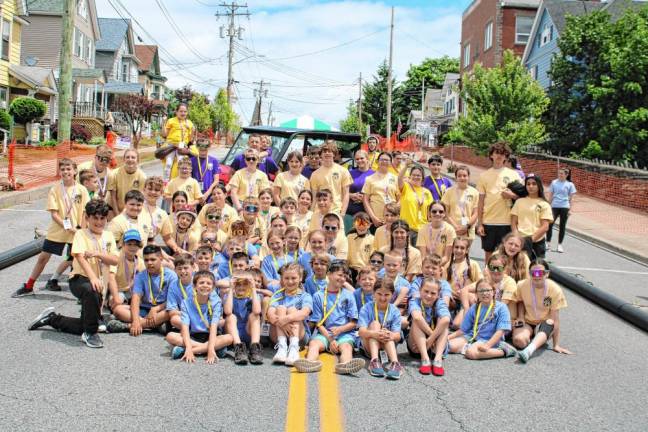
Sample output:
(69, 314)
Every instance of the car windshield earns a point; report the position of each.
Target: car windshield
(241, 144)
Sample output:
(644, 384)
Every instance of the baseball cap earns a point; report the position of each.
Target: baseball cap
(132, 234)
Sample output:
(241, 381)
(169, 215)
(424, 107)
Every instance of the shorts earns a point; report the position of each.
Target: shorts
(144, 311)
(56, 248)
(535, 250)
(125, 296)
(242, 331)
(493, 236)
(199, 337)
(344, 339)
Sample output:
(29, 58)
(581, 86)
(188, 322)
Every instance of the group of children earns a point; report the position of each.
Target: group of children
(231, 278)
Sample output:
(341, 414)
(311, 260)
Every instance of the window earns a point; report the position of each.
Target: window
(488, 36)
(6, 31)
(89, 51)
(78, 43)
(83, 9)
(466, 56)
(545, 37)
(4, 92)
(523, 26)
(533, 71)
(125, 72)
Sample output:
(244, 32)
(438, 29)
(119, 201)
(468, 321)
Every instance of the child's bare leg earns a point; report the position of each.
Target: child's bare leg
(175, 320)
(232, 329)
(390, 349)
(457, 344)
(41, 262)
(315, 347)
(281, 312)
(522, 336)
(473, 353)
(420, 342)
(253, 328)
(346, 353)
(372, 343)
(122, 313)
(440, 345)
(174, 338)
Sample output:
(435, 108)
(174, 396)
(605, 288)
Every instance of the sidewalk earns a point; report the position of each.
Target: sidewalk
(618, 228)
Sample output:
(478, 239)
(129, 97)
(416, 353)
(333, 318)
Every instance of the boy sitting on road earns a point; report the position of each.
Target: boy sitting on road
(121, 280)
(130, 218)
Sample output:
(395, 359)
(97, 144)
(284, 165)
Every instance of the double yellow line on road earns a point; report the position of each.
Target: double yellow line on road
(330, 412)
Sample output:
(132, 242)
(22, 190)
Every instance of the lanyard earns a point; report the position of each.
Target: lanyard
(362, 298)
(153, 224)
(68, 201)
(184, 240)
(210, 313)
(182, 288)
(321, 280)
(200, 169)
(498, 290)
(160, 287)
(377, 317)
(387, 197)
(461, 200)
(250, 183)
(441, 191)
(455, 277)
(420, 200)
(102, 187)
(477, 326)
(434, 243)
(330, 311)
(127, 273)
(182, 125)
(276, 299)
(99, 248)
(535, 301)
(276, 262)
(425, 316)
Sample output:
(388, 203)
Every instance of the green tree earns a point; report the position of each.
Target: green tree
(223, 117)
(433, 70)
(351, 123)
(200, 112)
(137, 109)
(374, 103)
(503, 103)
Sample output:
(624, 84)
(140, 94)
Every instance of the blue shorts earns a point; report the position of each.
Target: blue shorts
(243, 334)
(144, 312)
(344, 339)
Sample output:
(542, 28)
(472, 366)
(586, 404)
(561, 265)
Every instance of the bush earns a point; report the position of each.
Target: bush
(48, 143)
(27, 109)
(5, 119)
(77, 133)
(97, 141)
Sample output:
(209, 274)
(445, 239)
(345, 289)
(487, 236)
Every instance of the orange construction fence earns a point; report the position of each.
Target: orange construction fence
(408, 144)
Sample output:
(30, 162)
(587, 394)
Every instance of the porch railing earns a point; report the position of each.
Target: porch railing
(87, 109)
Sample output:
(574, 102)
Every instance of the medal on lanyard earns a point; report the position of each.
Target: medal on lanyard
(153, 298)
(102, 186)
(455, 278)
(477, 326)
(210, 313)
(68, 203)
(387, 197)
(330, 311)
(535, 301)
(250, 184)
(202, 175)
(420, 200)
(99, 248)
(441, 191)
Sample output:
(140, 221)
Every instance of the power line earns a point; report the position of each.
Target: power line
(178, 31)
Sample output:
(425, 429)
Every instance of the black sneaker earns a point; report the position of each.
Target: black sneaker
(43, 319)
(255, 354)
(22, 292)
(240, 354)
(52, 285)
(116, 326)
(92, 340)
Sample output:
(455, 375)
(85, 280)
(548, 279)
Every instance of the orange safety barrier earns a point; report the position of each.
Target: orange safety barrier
(409, 144)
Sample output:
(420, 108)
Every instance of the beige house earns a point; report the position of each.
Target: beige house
(150, 77)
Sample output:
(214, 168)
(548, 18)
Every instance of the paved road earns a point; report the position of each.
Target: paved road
(50, 381)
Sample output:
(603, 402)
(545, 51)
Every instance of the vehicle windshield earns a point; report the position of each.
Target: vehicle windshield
(241, 144)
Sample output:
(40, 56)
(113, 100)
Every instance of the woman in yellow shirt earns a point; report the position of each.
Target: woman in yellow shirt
(415, 199)
(180, 132)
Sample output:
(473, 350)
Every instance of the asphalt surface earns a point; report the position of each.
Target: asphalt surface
(51, 381)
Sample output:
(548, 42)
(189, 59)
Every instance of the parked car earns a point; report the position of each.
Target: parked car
(286, 140)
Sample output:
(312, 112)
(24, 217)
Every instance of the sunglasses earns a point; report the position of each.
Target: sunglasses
(376, 262)
(250, 159)
(437, 211)
(251, 209)
(330, 228)
(361, 222)
(203, 146)
(209, 240)
(484, 291)
(496, 268)
(104, 159)
(538, 273)
(213, 217)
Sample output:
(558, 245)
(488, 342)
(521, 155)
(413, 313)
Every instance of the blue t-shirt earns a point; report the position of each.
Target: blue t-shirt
(177, 293)
(357, 294)
(560, 193)
(209, 168)
(432, 313)
(498, 319)
(344, 311)
(299, 301)
(359, 178)
(415, 288)
(219, 258)
(308, 171)
(270, 265)
(314, 285)
(392, 322)
(443, 184)
(154, 292)
(190, 316)
(399, 283)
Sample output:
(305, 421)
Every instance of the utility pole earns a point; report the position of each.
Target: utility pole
(65, 73)
(231, 32)
(360, 103)
(423, 100)
(389, 76)
(260, 93)
(269, 114)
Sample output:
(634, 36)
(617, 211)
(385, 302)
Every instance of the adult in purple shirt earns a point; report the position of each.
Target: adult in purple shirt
(435, 182)
(359, 175)
(266, 164)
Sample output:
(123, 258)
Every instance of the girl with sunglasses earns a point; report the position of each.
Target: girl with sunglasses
(436, 237)
(539, 301)
(377, 260)
(228, 214)
(505, 286)
(336, 243)
(214, 223)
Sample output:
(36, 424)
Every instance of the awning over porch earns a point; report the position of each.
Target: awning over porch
(118, 87)
(89, 76)
(39, 79)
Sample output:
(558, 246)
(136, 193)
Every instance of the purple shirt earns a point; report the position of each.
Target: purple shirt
(308, 171)
(442, 184)
(209, 175)
(359, 178)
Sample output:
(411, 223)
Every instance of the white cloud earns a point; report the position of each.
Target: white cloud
(286, 28)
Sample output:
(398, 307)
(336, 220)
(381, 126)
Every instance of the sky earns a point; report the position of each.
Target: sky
(310, 52)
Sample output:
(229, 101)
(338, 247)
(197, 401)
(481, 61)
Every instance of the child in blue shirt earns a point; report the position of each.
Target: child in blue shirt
(430, 320)
(288, 309)
(223, 260)
(334, 315)
(200, 315)
(432, 269)
(317, 281)
(481, 335)
(272, 263)
(379, 327)
(317, 243)
(366, 281)
(181, 289)
(204, 256)
(243, 304)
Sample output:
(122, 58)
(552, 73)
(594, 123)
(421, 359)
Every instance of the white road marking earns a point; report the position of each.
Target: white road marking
(604, 270)
(23, 210)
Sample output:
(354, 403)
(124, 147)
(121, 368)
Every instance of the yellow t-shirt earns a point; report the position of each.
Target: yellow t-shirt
(360, 249)
(335, 178)
(382, 238)
(154, 219)
(69, 202)
(104, 179)
(267, 217)
(189, 185)
(460, 206)
(122, 182)
(340, 247)
(316, 221)
(414, 204)
(85, 241)
(497, 210)
(411, 262)
(121, 223)
(257, 229)
(381, 189)
(248, 185)
(554, 299)
(179, 131)
(192, 240)
(228, 215)
(435, 240)
(302, 221)
(124, 273)
(530, 213)
(290, 185)
(458, 276)
(373, 160)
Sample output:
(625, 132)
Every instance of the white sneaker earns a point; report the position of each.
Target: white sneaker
(281, 355)
(293, 355)
(549, 248)
(560, 248)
